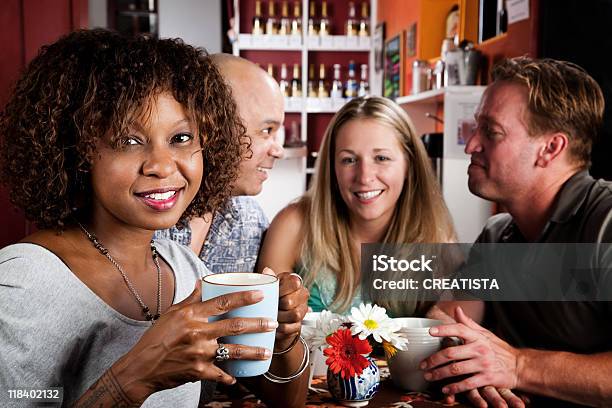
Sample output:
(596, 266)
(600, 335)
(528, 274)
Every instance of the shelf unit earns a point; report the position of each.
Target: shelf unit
(304, 50)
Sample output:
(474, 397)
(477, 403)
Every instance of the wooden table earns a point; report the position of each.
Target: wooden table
(388, 396)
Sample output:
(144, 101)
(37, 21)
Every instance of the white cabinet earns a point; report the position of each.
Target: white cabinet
(457, 104)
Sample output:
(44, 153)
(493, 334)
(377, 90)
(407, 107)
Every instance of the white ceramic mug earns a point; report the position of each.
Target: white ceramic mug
(404, 365)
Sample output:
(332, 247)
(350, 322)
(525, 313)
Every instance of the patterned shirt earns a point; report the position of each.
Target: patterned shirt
(233, 240)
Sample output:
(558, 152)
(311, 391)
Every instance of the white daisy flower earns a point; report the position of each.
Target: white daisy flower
(372, 320)
(326, 324)
(398, 341)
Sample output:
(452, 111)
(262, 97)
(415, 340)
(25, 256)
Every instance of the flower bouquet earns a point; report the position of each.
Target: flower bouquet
(352, 376)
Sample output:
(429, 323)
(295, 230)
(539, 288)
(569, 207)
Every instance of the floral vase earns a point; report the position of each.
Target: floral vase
(358, 390)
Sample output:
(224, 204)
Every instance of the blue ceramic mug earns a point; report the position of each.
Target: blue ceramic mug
(224, 283)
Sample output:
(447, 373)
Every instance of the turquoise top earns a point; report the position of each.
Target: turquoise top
(323, 291)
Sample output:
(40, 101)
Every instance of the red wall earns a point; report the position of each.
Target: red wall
(26, 25)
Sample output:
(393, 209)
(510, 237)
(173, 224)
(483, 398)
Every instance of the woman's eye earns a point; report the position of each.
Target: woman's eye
(182, 138)
(130, 141)
(347, 160)
(268, 130)
(382, 158)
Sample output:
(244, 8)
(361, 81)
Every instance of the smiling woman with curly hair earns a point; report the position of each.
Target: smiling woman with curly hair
(105, 140)
(56, 116)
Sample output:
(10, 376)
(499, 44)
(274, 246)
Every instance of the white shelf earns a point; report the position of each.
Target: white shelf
(327, 105)
(294, 152)
(437, 95)
(338, 43)
(269, 42)
(335, 43)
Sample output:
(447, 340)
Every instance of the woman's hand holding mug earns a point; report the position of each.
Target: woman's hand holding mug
(183, 347)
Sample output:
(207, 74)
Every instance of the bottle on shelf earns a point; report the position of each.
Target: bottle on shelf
(296, 22)
(336, 91)
(258, 19)
(285, 23)
(283, 84)
(322, 89)
(364, 87)
(312, 93)
(351, 26)
(364, 23)
(324, 29)
(294, 139)
(271, 22)
(313, 24)
(296, 82)
(271, 70)
(350, 90)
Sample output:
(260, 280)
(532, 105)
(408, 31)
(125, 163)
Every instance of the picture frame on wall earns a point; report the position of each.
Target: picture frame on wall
(411, 40)
(379, 43)
(393, 78)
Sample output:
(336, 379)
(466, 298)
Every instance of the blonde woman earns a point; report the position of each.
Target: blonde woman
(373, 183)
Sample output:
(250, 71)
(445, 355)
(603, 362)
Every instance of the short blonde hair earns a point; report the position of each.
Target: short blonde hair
(562, 97)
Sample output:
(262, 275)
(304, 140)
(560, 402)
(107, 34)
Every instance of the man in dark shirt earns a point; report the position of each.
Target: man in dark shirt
(530, 153)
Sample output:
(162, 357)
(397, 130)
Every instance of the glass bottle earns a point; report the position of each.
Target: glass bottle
(257, 20)
(350, 90)
(350, 28)
(271, 70)
(296, 22)
(364, 23)
(296, 82)
(324, 28)
(336, 92)
(283, 84)
(294, 138)
(285, 23)
(322, 89)
(364, 87)
(312, 93)
(313, 24)
(271, 23)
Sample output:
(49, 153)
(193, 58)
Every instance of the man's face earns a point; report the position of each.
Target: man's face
(262, 111)
(503, 155)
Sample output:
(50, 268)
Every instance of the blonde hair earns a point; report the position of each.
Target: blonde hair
(420, 215)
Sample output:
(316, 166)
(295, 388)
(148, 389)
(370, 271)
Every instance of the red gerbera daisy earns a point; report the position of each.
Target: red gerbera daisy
(345, 356)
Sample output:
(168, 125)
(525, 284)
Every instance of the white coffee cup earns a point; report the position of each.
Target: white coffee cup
(404, 365)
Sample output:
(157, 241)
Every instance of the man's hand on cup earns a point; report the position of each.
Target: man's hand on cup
(182, 346)
(292, 307)
(489, 360)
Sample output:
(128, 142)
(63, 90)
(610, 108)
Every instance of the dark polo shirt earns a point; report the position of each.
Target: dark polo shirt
(581, 214)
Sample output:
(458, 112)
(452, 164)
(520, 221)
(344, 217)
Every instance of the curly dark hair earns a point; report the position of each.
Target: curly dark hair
(95, 82)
